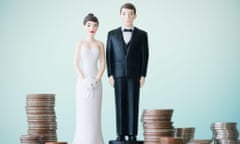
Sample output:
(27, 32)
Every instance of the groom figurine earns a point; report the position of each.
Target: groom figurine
(127, 60)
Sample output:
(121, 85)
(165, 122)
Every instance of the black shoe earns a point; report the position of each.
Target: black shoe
(120, 138)
(132, 138)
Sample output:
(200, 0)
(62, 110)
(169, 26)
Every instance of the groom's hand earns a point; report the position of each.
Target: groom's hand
(142, 80)
(111, 80)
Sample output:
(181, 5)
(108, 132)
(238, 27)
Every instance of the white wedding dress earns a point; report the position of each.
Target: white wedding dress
(88, 100)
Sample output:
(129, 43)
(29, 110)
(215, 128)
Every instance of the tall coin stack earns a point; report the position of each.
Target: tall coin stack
(225, 133)
(40, 109)
(157, 123)
(30, 139)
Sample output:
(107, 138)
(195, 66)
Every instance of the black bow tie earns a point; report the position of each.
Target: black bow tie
(127, 30)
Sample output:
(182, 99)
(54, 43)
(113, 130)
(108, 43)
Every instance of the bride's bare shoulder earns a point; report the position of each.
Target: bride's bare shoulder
(100, 43)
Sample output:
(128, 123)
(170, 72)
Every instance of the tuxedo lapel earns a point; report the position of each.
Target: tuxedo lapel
(121, 40)
(134, 34)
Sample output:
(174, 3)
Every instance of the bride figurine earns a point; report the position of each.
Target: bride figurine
(90, 65)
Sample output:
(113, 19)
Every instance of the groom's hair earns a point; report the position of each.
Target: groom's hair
(128, 6)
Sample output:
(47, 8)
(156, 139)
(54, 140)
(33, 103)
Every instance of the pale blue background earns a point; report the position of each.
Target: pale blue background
(193, 67)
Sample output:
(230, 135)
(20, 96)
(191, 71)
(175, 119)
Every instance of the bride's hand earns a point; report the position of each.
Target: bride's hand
(98, 79)
(82, 77)
(90, 82)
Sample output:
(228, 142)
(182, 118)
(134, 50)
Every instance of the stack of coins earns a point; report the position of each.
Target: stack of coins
(186, 133)
(40, 109)
(30, 139)
(157, 123)
(225, 133)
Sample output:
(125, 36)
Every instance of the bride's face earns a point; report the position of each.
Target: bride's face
(91, 27)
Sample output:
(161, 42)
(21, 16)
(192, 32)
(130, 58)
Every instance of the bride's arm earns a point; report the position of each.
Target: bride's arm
(77, 60)
(102, 62)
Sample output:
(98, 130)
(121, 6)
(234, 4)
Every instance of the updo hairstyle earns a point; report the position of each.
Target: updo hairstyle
(90, 17)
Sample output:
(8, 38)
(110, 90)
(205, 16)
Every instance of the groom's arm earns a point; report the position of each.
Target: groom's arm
(109, 55)
(145, 55)
(109, 60)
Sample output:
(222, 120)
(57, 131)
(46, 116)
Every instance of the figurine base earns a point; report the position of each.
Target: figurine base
(125, 142)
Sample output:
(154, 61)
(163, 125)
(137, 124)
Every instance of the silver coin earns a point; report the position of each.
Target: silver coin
(224, 125)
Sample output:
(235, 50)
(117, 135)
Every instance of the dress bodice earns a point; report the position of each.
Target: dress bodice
(89, 60)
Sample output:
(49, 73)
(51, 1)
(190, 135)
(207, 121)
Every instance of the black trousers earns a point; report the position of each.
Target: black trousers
(127, 103)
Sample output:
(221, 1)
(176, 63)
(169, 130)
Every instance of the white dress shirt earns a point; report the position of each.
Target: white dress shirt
(127, 35)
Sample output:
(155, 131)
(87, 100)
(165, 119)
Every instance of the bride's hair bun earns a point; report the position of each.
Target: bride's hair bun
(90, 17)
(90, 14)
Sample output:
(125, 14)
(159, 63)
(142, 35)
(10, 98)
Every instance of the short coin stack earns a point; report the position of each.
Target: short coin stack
(157, 123)
(40, 109)
(187, 134)
(225, 133)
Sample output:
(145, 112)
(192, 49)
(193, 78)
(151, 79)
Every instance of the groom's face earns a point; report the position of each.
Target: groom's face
(127, 16)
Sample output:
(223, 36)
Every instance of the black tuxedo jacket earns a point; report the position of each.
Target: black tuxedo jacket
(127, 60)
